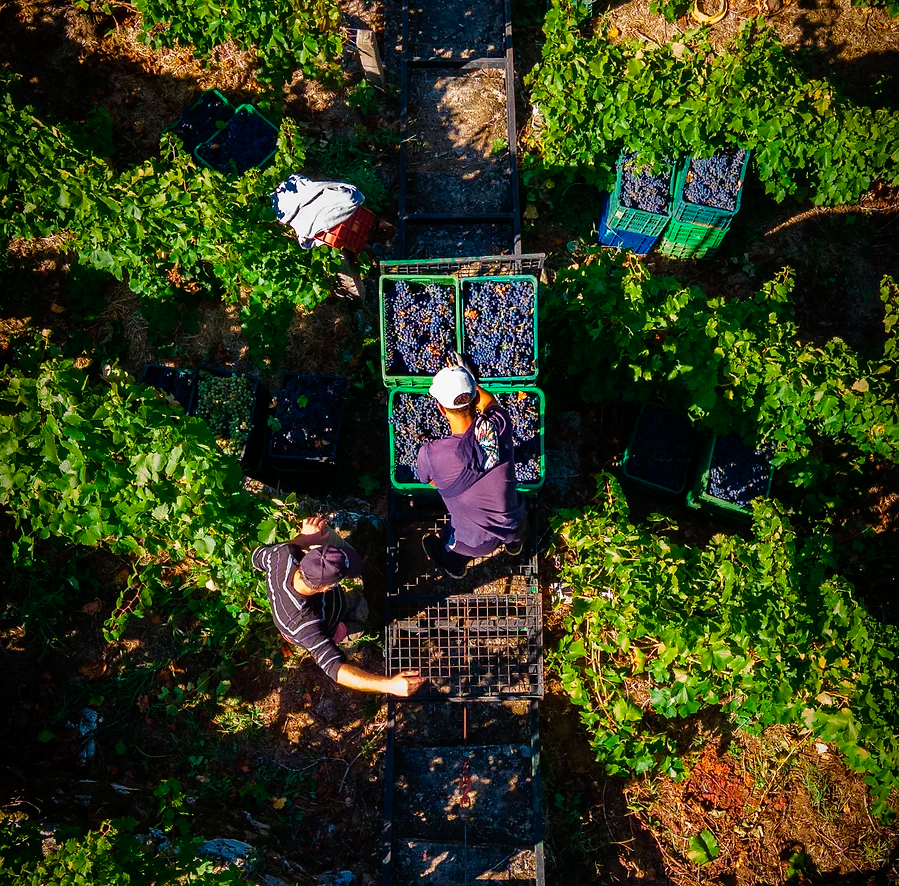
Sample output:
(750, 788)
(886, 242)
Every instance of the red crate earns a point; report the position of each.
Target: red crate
(351, 234)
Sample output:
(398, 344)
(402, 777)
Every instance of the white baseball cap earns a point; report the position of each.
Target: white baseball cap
(453, 387)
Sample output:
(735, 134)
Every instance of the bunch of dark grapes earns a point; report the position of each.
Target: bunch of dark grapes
(199, 123)
(419, 327)
(716, 180)
(661, 448)
(641, 189)
(524, 410)
(226, 405)
(244, 143)
(738, 472)
(416, 421)
(498, 322)
(309, 410)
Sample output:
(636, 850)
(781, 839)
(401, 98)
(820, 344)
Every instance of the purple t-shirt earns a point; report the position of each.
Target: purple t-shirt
(485, 507)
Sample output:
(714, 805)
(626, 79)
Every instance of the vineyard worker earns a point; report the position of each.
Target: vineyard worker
(310, 609)
(473, 469)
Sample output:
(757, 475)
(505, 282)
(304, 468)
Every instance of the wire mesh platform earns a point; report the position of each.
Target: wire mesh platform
(481, 266)
(409, 571)
(469, 647)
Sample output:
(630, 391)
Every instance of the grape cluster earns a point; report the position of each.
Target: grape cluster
(661, 448)
(244, 143)
(199, 123)
(417, 421)
(177, 382)
(419, 327)
(640, 189)
(498, 323)
(226, 405)
(524, 411)
(309, 411)
(738, 472)
(716, 180)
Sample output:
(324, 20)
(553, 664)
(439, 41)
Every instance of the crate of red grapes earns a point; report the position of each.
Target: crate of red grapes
(308, 415)
(642, 200)
(660, 451)
(499, 327)
(414, 419)
(177, 383)
(233, 405)
(731, 475)
(708, 191)
(419, 326)
(247, 141)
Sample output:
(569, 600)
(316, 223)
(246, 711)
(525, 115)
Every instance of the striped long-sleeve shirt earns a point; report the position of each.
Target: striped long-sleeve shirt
(307, 620)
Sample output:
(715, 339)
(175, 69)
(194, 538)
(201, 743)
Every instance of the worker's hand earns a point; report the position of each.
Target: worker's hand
(405, 683)
(314, 531)
(456, 359)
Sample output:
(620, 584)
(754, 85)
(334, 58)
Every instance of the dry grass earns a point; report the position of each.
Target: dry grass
(846, 31)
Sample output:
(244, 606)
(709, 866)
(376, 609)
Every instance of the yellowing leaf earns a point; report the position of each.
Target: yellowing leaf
(279, 802)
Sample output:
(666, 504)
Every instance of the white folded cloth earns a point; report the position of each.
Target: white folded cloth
(312, 207)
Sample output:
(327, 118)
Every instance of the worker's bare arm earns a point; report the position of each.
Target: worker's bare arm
(402, 684)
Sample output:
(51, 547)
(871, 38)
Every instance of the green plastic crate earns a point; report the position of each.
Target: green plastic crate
(416, 487)
(203, 95)
(701, 499)
(712, 216)
(464, 344)
(649, 484)
(638, 221)
(685, 240)
(249, 109)
(414, 381)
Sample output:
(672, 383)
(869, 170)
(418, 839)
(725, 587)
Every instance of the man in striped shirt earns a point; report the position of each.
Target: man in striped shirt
(310, 609)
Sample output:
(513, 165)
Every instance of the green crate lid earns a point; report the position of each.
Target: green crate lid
(416, 487)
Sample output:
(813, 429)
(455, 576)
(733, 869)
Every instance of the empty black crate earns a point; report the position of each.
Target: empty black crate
(309, 413)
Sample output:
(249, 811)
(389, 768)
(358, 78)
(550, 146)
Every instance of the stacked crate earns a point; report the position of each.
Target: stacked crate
(684, 230)
(406, 384)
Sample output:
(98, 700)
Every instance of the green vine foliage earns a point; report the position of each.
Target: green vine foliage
(735, 364)
(761, 629)
(112, 855)
(891, 6)
(596, 97)
(166, 226)
(285, 35)
(116, 464)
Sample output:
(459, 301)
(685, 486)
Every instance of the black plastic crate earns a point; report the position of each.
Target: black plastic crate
(251, 454)
(179, 383)
(410, 572)
(310, 412)
(472, 646)
(660, 451)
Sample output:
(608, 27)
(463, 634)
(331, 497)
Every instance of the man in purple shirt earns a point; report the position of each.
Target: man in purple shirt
(473, 469)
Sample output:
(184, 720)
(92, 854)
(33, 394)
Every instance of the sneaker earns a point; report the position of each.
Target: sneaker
(514, 548)
(452, 565)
